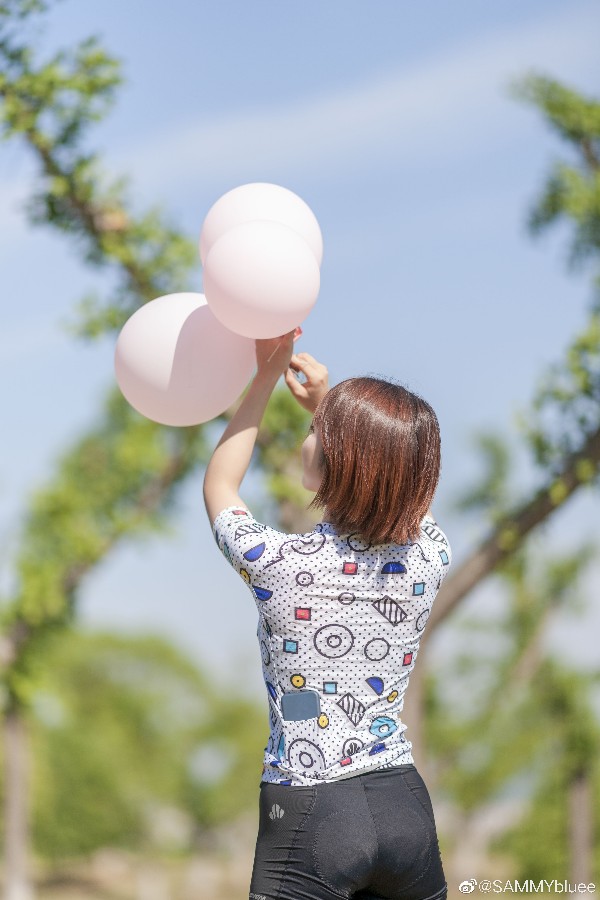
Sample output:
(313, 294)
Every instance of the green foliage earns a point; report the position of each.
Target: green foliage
(79, 807)
(55, 103)
(539, 842)
(117, 725)
(51, 106)
(571, 191)
(284, 427)
(529, 724)
(11, 10)
(524, 710)
(567, 404)
(565, 408)
(118, 481)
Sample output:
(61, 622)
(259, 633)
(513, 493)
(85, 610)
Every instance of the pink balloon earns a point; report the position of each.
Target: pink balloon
(265, 202)
(176, 363)
(261, 279)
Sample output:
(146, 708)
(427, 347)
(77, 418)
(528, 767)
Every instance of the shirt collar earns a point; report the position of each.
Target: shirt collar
(325, 528)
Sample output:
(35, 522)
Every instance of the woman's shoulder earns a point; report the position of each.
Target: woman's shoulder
(241, 521)
(437, 539)
(430, 534)
(432, 530)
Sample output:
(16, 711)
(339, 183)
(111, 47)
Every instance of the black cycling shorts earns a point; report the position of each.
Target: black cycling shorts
(368, 837)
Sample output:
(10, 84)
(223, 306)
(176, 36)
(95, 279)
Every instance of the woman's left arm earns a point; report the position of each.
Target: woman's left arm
(231, 457)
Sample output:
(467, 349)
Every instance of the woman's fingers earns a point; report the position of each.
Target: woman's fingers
(291, 380)
(315, 372)
(297, 389)
(296, 364)
(311, 391)
(304, 360)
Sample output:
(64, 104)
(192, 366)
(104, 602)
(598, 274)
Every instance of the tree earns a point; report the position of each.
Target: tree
(123, 727)
(562, 432)
(562, 429)
(121, 478)
(526, 720)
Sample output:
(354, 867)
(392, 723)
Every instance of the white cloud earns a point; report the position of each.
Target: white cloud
(405, 113)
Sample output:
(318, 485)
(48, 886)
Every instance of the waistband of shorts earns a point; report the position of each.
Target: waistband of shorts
(370, 774)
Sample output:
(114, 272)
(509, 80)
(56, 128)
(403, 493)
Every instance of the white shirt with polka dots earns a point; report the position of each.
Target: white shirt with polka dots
(339, 623)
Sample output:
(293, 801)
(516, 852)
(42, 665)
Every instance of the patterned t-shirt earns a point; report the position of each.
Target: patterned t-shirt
(339, 628)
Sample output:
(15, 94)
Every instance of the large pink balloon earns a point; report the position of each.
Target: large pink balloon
(261, 279)
(267, 202)
(177, 364)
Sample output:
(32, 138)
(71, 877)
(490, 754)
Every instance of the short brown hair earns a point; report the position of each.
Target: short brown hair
(381, 459)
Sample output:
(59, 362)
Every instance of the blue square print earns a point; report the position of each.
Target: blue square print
(330, 687)
(290, 646)
(444, 557)
(418, 588)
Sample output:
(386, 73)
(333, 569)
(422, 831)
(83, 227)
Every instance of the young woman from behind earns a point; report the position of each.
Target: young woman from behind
(344, 812)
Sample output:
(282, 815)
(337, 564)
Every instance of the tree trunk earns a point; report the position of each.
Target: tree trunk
(580, 828)
(17, 883)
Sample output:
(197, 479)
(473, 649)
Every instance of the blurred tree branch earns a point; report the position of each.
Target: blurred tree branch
(562, 429)
(579, 469)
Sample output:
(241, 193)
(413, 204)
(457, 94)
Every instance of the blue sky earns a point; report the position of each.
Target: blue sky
(394, 122)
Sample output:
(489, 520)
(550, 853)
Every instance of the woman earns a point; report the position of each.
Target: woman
(343, 810)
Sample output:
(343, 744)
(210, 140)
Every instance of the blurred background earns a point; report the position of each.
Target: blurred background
(451, 154)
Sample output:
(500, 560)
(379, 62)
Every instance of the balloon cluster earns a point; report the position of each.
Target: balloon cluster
(183, 359)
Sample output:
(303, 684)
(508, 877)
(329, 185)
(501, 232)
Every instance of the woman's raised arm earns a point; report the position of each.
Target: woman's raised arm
(231, 457)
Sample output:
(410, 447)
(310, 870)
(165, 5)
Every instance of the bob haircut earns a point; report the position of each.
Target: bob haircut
(381, 459)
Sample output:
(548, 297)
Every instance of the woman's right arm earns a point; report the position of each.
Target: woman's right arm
(310, 392)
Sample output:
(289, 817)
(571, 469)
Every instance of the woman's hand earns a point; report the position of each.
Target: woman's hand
(273, 355)
(310, 393)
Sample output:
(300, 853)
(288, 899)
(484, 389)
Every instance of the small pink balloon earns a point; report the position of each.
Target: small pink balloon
(261, 279)
(265, 202)
(177, 364)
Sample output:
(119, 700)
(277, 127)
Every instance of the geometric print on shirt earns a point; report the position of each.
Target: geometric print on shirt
(339, 627)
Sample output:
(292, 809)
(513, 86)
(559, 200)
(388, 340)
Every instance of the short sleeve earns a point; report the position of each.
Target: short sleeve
(247, 545)
(440, 542)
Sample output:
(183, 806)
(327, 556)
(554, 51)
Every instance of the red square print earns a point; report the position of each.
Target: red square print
(350, 568)
(240, 512)
(346, 761)
(303, 612)
(407, 659)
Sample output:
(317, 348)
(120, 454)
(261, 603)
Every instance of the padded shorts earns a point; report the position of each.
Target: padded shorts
(369, 837)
